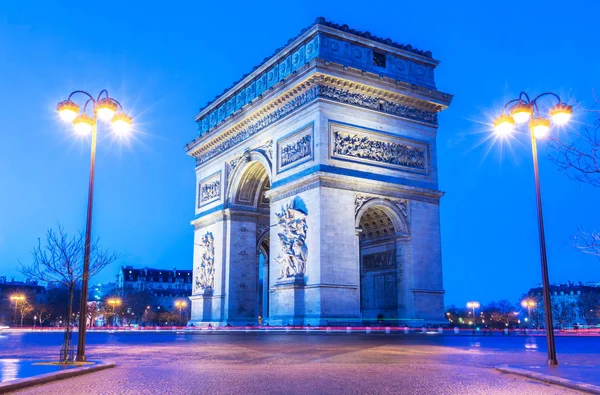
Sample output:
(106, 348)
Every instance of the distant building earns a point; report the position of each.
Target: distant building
(30, 290)
(567, 302)
(167, 286)
(97, 292)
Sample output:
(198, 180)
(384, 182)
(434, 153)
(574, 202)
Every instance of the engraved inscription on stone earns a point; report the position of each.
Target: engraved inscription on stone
(204, 273)
(380, 260)
(372, 149)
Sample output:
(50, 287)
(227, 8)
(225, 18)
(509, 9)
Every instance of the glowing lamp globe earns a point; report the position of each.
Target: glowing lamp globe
(540, 127)
(67, 110)
(504, 125)
(121, 123)
(83, 124)
(106, 109)
(521, 112)
(561, 113)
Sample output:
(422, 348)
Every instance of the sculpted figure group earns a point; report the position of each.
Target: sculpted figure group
(292, 234)
(205, 271)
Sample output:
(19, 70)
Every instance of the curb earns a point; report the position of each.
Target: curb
(571, 384)
(27, 382)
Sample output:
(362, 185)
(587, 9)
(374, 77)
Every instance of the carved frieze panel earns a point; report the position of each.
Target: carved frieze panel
(295, 149)
(370, 147)
(308, 96)
(379, 260)
(209, 189)
(204, 272)
(293, 253)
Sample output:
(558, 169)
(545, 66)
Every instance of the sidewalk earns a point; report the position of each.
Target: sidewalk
(583, 378)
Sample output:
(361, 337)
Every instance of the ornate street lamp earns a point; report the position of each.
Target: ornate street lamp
(107, 109)
(522, 110)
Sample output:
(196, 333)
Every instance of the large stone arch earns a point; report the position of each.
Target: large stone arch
(382, 229)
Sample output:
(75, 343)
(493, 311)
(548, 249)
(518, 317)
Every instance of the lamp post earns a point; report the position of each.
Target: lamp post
(522, 110)
(529, 303)
(105, 108)
(16, 299)
(114, 302)
(473, 305)
(181, 304)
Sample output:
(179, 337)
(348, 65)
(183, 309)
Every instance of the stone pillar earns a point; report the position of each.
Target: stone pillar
(241, 277)
(265, 292)
(287, 298)
(207, 301)
(405, 310)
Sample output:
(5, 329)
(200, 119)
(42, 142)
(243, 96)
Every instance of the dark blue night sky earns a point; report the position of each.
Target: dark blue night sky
(164, 61)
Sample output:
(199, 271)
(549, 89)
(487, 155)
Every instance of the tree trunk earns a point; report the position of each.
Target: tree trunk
(67, 341)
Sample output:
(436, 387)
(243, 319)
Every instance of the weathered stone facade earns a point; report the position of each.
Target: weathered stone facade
(317, 183)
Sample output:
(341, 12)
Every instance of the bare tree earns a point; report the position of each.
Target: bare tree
(60, 262)
(578, 155)
(588, 305)
(563, 312)
(588, 242)
(42, 312)
(92, 312)
(24, 309)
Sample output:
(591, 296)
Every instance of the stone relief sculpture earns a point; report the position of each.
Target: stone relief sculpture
(267, 148)
(204, 273)
(307, 96)
(364, 147)
(210, 190)
(292, 235)
(379, 260)
(296, 150)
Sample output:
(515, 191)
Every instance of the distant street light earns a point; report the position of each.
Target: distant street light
(181, 304)
(521, 110)
(16, 299)
(473, 305)
(529, 303)
(105, 108)
(113, 302)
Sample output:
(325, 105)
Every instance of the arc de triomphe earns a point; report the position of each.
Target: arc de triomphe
(317, 187)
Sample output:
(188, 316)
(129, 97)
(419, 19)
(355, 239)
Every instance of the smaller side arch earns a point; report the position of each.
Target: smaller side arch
(390, 208)
(254, 161)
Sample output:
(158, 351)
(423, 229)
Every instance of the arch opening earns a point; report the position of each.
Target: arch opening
(378, 265)
(248, 187)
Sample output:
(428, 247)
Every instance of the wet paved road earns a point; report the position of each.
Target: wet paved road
(157, 363)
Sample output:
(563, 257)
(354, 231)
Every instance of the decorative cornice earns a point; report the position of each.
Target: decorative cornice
(368, 35)
(317, 87)
(342, 28)
(392, 192)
